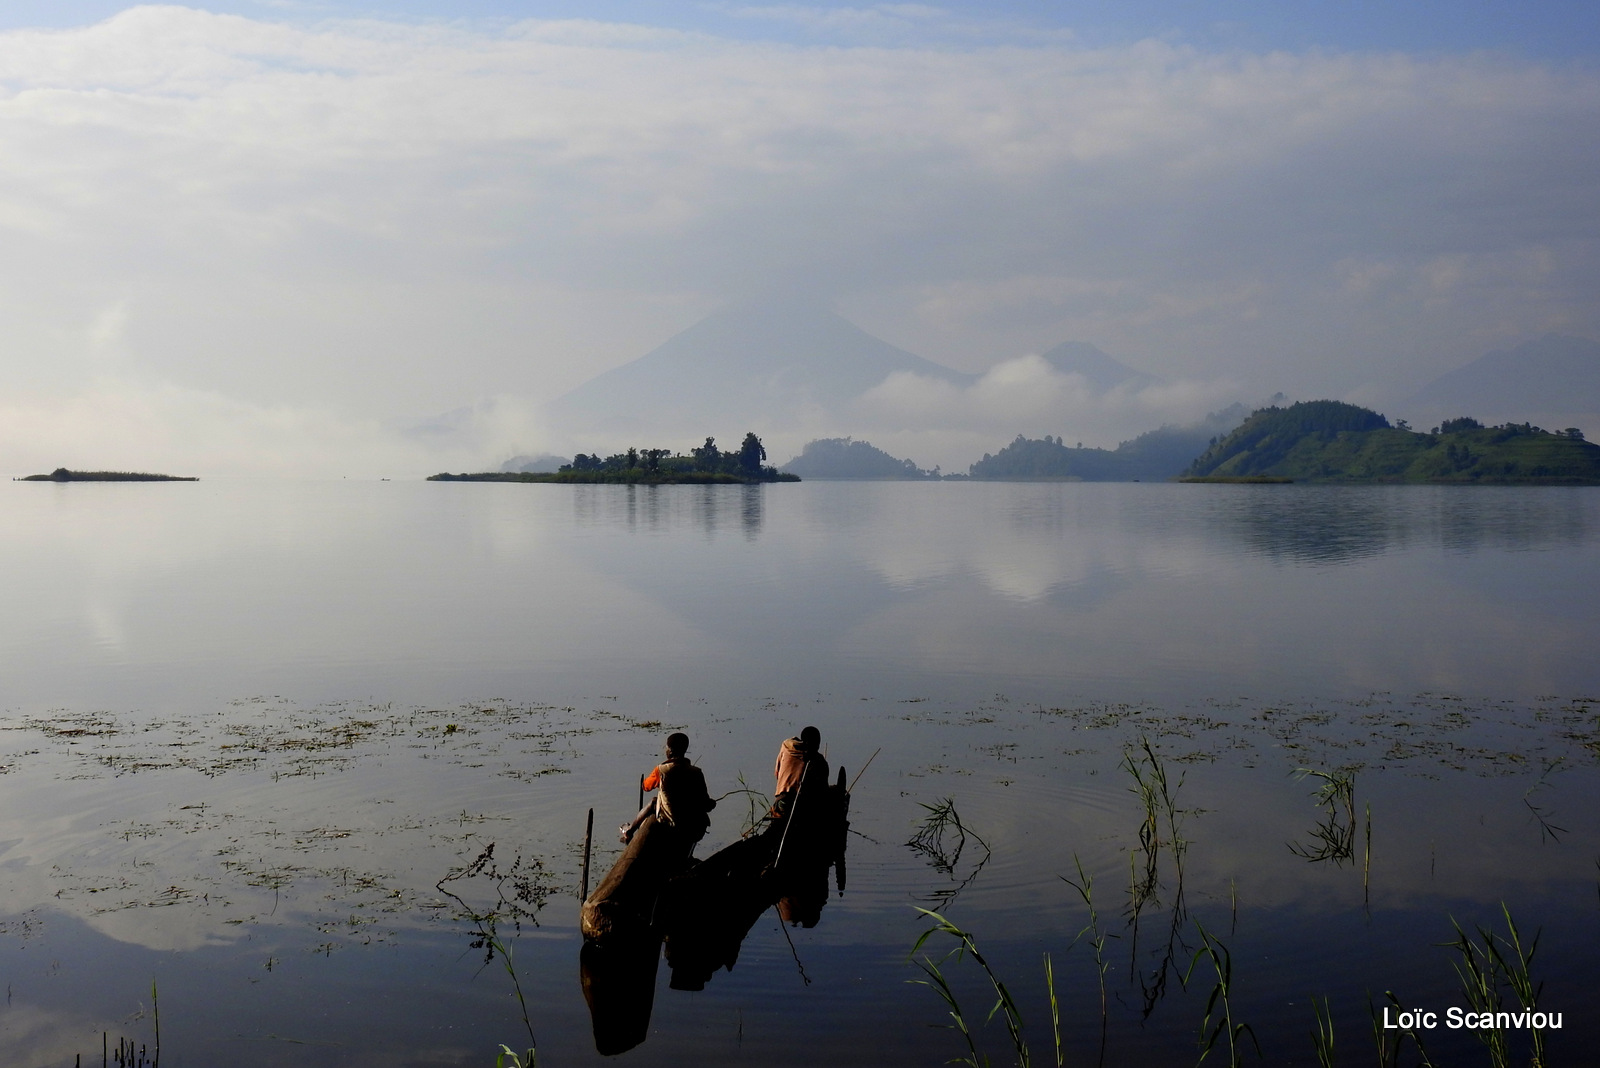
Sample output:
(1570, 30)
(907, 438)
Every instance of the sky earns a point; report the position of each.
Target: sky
(261, 238)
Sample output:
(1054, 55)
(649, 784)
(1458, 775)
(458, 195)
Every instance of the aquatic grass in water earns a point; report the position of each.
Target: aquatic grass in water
(941, 838)
(1157, 798)
(1334, 838)
(1543, 816)
(1097, 939)
(1382, 1033)
(528, 897)
(757, 805)
(455, 831)
(1322, 1036)
(1485, 967)
(1219, 1022)
(1004, 1004)
(1158, 803)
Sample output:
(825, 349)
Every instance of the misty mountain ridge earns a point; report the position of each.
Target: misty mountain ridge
(541, 464)
(1152, 456)
(766, 365)
(1100, 370)
(1552, 376)
(778, 365)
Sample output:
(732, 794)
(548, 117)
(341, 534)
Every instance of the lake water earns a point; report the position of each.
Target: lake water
(249, 727)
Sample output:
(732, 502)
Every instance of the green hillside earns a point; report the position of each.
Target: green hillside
(846, 458)
(1329, 441)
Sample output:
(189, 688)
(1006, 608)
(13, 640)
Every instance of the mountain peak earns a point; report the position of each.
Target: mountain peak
(1551, 375)
(1102, 371)
(763, 362)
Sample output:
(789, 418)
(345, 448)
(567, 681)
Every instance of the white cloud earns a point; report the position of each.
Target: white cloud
(121, 425)
(1027, 394)
(383, 218)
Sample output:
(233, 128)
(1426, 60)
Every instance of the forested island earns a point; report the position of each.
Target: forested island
(849, 459)
(61, 474)
(1156, 455)
(1330, 441)
(706, 464)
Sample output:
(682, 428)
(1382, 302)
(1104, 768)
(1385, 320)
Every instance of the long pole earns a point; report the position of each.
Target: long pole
(794, 807)
(588, 839)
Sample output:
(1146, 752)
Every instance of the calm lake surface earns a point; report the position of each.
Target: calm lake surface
(248, 727)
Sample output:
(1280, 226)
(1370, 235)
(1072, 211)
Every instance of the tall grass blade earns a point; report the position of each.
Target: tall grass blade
(1005, 1005)
(1218, 1024)
(1322, 1037)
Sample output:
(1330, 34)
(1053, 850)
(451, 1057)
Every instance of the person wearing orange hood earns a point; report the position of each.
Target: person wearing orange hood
(798, 759)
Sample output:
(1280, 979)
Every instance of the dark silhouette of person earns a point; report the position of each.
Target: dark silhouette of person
(799, 761)
(682, 801)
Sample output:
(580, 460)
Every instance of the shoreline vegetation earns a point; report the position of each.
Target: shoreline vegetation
(61, 474)
(1331, 441)
(705, 465)
(1310, 441)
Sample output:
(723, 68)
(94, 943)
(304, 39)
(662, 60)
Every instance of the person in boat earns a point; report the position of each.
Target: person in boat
(799, 759)
(682, 801)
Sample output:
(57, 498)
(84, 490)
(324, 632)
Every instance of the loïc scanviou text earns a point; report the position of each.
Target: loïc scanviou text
(1457, 1018)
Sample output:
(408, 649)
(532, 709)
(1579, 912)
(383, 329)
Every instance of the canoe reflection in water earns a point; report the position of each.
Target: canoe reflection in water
(657, 894)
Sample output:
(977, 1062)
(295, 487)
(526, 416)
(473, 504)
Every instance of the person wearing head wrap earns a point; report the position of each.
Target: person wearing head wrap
(799, 759)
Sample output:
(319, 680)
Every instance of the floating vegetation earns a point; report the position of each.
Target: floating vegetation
(301, 828)
(234, 860)
(1542, 815)
(528, 896)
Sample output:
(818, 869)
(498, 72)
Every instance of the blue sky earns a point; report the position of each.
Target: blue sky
(1555, 29)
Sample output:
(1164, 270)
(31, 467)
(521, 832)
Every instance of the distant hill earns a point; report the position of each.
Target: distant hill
(846, 458)
(534, 465)
(767, 364)
(1330, 441)
(1101, 371)
(1555, 378)
(1152, 456)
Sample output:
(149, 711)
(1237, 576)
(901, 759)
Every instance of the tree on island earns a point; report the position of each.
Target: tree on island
(707, 457)
(706, 464)
(751, 455)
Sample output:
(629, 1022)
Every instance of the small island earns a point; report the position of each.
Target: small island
(706, 465)
(61, 474)
(1331, 441)
(849, 459)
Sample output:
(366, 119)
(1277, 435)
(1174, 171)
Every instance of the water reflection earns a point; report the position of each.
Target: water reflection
(702, 915)
(709, 510)
(1334, 524)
